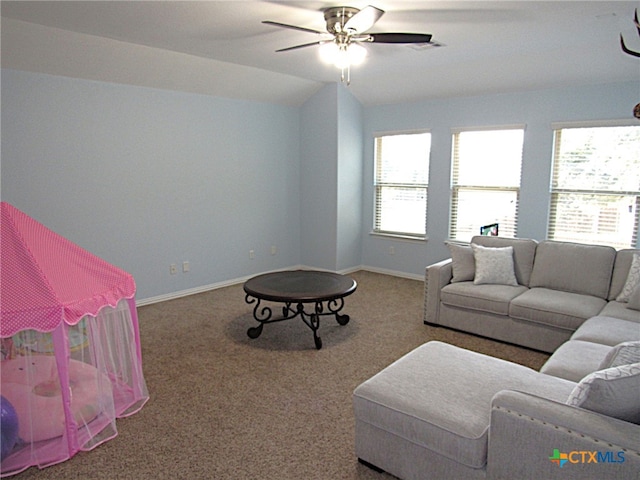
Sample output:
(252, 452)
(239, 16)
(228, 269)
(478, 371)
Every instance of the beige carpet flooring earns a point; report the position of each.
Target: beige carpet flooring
(224, 406)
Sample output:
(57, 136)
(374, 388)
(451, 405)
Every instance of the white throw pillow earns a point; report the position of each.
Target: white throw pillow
(612, 392)
(494, 265)
(633, 280)
(462, 262)
(622, 354)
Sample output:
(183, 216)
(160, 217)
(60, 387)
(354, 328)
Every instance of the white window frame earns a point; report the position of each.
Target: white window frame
(461, 230)
(382, 184)
(614, 226)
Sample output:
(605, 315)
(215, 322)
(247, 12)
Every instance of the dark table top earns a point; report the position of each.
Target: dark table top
(300, 286)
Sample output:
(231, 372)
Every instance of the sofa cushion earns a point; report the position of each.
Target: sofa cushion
(621, 270)
(622, 354)
(620, 310)
(633, 280)
(494, 265)
(524, 251)
(607, 330)
(634, 299)
(573, 267)
(484, 298)
(576, 359)
(463, 263)
(556, 308)
(438, 396)
(612, 392)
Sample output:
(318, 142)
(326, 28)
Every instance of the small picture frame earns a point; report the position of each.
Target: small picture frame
(489, 230)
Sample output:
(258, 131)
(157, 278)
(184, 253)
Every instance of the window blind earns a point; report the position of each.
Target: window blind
(400, 184)
(595, 186)
(485, 181)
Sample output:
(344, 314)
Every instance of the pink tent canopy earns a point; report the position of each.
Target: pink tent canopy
(46, 279)
(71, 361)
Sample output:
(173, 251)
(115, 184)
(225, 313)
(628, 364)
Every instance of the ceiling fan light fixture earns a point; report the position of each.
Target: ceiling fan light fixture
(343, 55)
(356, 53)
(329, 52)
(349, 27)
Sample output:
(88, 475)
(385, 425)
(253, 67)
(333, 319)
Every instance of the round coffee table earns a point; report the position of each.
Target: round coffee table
(324, 290)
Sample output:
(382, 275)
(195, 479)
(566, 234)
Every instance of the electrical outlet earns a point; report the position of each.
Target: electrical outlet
(185, 267)
(392, 250)
(173, 269)
(274, 250)
(252, 254)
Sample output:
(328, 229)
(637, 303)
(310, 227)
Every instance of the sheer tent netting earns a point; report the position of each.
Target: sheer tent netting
(69, 343)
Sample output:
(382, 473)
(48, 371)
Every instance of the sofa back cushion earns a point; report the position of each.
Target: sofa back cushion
(634, 299)
(573, 267)
(612, 392)
(524, 251)
(463, 264)
(621, 271)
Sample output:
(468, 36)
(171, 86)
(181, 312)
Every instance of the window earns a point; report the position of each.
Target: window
(485, 181)
(595, 188)
(400, 187)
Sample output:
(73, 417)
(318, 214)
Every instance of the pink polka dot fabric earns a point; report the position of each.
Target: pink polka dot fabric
(45, 279)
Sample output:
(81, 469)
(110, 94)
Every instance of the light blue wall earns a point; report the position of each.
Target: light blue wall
(350, 180)
(145, 178)
(318, 185)
(537, 110)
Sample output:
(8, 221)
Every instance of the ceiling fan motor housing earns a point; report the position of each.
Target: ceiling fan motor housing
(337, 17)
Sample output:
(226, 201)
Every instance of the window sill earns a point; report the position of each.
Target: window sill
(399, 236)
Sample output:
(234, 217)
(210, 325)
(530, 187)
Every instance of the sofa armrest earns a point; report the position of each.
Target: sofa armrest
(436, 276)
(526, 431)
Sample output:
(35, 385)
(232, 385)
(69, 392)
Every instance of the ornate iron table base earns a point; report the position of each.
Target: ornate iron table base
(311, 319)
(322, 292)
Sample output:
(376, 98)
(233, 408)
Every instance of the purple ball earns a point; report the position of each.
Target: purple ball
(8, 427)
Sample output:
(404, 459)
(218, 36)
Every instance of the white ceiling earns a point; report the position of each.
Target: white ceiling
(222, 48)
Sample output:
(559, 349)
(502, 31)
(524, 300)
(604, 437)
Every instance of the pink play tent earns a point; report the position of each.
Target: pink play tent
(71, 361)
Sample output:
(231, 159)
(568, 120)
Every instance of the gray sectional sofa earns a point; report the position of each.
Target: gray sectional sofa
(443, 412)
(557, 286)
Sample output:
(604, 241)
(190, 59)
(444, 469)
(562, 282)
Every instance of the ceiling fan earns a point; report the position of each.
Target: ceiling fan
(349, 27)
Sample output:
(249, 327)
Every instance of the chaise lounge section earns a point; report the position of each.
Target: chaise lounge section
(443, 412)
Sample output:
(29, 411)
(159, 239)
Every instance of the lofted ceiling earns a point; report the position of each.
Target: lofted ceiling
(223, 48)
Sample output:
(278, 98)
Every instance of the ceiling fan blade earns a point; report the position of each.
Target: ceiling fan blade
(364, 19)
(292, 27)
(301, 46)
(400, 37)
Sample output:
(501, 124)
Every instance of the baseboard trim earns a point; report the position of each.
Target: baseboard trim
(205, 288)
(393, 273)
(190, 291)
(236, 281)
